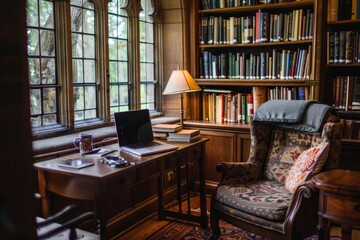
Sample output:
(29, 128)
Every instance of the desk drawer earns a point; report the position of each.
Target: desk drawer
(341, 207)
(194, 154)
(147, 170)
(120, 181)
(174, 160)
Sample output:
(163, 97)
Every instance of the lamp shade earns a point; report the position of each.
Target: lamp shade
(180, 81)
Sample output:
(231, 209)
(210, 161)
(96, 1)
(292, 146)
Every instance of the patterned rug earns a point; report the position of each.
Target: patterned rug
(182, 230)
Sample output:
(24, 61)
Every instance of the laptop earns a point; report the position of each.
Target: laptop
(135, 135)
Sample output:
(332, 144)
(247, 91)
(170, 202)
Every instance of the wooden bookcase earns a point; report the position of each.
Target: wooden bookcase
(235, 136)
(341, 64)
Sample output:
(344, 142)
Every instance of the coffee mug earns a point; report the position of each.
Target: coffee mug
(84, 143)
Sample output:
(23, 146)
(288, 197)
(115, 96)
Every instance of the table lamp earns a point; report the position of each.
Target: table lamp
(181, 81)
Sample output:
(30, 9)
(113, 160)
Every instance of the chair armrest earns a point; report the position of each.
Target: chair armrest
(71, 224)
(237, 172)
(59, 215)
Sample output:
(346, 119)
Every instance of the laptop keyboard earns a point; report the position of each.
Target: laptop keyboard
(143, 145)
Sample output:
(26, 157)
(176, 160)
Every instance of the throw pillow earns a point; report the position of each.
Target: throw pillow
(307, 165)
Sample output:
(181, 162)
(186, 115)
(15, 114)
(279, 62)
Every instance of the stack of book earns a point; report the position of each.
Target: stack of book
(161, 130)
(184, 135)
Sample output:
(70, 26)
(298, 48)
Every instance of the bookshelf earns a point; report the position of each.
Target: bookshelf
(260, 45)
(241, 48)
(341, 65)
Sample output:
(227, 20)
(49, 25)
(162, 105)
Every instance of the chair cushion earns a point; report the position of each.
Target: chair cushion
(266, 199)
(307, 165)
(285, 147)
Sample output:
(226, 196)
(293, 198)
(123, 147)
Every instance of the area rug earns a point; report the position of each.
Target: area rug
(182, 230)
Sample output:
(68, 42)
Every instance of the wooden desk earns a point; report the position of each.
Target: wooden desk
(339, 201)
(99, 181)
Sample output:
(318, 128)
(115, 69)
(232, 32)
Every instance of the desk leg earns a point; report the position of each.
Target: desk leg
(203, 216)
(99, 213)
(45, 202)
(346, 231)
(161, 214)
(178, 188)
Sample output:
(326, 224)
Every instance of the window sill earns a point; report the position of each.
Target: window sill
(65, 142)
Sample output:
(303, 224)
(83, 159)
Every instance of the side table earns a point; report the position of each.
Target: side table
(339, 201)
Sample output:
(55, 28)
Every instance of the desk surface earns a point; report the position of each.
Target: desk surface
(100, 170)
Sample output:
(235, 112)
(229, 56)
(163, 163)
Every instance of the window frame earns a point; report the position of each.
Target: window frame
(64, 67)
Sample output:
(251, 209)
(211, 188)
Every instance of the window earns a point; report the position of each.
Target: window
(147, 62)
(83, 69)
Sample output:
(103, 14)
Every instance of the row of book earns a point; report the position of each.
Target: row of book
(343, 10)
(343, 47)
(284, 64)
(346, 93)
(262, 27)
(236, 107)
(212, 4)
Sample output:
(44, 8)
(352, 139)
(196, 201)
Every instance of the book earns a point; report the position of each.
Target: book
(185, 133)
(160, 135)
(165, 127)
(333, 10)
(192, 139)
(76, 163)
(99, 152)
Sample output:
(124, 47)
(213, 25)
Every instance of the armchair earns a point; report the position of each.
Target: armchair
(271, 194)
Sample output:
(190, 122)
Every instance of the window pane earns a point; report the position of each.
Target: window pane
(44, 87)
(49, 100)
(118, 54)
(84, 59)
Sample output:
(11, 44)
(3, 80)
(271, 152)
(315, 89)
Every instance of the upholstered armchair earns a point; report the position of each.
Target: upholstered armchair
(271, 194)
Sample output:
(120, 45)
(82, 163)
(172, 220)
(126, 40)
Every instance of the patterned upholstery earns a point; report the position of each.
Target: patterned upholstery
(254, 192)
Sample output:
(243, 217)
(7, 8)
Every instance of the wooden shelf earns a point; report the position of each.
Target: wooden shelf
(217, 125)
(255, 82)
(254, 8)
(251, 45)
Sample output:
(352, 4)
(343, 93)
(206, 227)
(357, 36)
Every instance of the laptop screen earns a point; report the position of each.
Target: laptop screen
(133, 127)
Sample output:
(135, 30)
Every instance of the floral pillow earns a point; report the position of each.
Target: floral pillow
(307, 165)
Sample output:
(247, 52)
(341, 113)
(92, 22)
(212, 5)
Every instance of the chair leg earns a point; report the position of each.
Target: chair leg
(214, 220)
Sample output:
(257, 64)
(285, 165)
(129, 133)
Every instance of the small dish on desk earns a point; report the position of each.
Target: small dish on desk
(76, 163)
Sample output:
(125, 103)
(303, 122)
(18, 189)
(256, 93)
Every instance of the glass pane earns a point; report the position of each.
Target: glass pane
(150, 76)
(36, 121)
(78, 98)
(32, 13)
(34, 67)
(48, 70)
(113, 26)
(143, 93)
(49, 119)
(123, 72)
(89, 114)
(112, 7)
(77, 47)
(78, 71)
(46, 14)
(90, 97)
(89, 46)
(114, 95)
(76, 19)
(142, 52)
(89, 66)
(149, 33)
(89, 20)
(142, 72)
(47, 43)
(149, 52)
(112, 49)
(113, 72)
(89, 5)
(122, 27)
(79, 116)
(150, 93)
(49, 100)
(142, 31)
(124, 97)
(33, 42)
(122, 50)
(76, 2)
(35, 101)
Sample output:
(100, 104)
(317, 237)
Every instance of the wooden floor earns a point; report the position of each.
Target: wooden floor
(152, 224)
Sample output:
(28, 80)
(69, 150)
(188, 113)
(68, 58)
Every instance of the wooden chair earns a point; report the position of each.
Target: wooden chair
(271, 194)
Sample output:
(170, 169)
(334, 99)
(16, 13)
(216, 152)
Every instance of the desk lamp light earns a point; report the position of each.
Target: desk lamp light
(180, 81)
